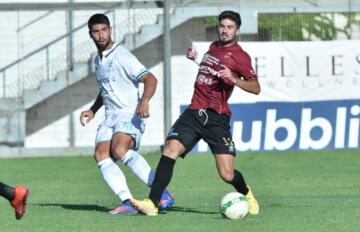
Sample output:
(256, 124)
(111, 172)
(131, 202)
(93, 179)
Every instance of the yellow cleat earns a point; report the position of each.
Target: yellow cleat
(252, 202)
(146, 206)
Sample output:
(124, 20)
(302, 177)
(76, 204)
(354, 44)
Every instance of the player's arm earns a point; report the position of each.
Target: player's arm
(97, 104)
(192, 54)
(250, 85)
(150, 83)
(87, 115)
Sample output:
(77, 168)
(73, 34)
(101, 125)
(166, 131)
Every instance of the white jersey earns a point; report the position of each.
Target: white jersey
(118, 74)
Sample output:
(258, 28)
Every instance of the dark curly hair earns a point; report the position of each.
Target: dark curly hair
(98, 19)
(233, 16)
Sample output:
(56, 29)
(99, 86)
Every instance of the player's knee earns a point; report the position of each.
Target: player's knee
(173, 149)
(171, 153)
(100, 155)
(227, 176)
(119, 152)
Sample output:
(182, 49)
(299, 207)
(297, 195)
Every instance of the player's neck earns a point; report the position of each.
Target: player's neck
(108, 47)
(224, 44)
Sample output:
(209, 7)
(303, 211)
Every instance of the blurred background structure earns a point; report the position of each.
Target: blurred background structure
(47, 76)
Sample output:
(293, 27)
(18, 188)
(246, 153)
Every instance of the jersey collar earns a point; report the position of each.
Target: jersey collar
(106, 53)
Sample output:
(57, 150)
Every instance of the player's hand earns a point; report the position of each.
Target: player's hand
(143, 109)
(227, 75)
(86, 116)
(191, 54)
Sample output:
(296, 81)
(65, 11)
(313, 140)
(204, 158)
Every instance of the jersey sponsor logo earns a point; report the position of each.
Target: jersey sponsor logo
(102, 90)
(208, 70)
(104, 86)
(211, 60)
(201, 79)
(103, 81)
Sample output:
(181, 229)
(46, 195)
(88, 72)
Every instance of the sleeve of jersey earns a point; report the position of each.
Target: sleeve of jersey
(133, 67)
(244, 67)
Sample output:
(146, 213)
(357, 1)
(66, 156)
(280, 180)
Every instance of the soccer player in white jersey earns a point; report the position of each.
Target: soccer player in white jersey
(118, 73)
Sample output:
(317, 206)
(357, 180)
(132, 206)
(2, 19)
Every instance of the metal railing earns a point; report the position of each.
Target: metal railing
(44, 68)
(44, 65)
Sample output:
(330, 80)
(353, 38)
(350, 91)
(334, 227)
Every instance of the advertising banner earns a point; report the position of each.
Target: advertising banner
(282, 126)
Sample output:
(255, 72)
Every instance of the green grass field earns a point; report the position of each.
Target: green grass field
(304, 191)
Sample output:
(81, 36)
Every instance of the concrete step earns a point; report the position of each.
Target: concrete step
(49, 88)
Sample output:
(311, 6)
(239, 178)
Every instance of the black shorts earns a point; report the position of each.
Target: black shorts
(208, 125)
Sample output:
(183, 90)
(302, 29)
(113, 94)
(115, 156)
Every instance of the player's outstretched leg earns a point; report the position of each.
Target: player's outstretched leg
(162, 179)
(252, 202)
(140, 167)
(19, 202)
(116, 181)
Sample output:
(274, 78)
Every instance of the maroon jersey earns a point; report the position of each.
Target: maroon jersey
(210, 91)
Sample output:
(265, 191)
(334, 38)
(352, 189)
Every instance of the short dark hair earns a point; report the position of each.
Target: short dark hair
(233, 16)
(98, 19)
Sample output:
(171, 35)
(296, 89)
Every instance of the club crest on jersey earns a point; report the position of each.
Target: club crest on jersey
(228, 55)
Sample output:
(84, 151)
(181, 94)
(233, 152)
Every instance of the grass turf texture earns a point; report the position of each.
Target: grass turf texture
(304, 191)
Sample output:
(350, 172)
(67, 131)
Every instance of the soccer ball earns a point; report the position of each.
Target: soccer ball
(234, 206)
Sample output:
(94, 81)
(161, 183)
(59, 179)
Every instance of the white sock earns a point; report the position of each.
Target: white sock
(114, 178)
(139, 166)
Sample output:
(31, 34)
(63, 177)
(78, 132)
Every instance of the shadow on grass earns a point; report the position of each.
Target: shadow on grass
(78, 207)
(187, 210)
(99, 208)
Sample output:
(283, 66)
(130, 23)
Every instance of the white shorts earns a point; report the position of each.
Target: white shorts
(106, 130)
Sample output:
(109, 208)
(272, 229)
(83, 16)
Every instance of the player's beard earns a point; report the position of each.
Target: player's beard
(224, 42)
(102, 47)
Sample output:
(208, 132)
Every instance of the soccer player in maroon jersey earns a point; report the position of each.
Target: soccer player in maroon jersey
(16, 196)
(223, 67)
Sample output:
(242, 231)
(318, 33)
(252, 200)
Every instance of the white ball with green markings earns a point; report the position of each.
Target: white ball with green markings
(234, 206)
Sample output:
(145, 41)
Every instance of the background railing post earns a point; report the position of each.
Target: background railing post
(114, 26)
(69, 49)
(4, 84)
(167, 68)
(47, 64)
